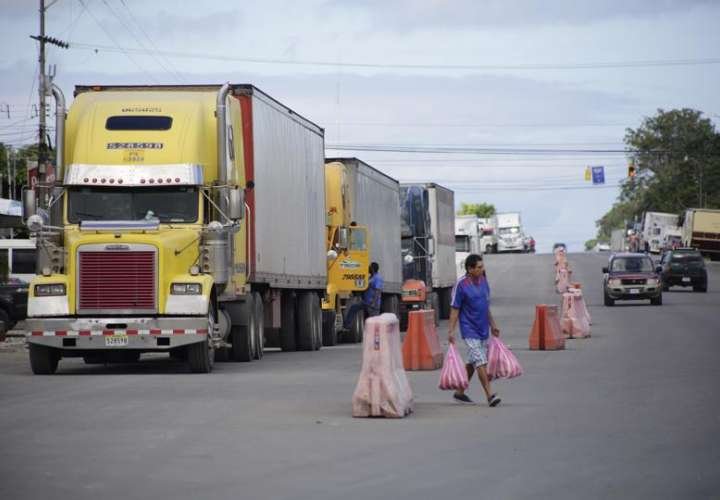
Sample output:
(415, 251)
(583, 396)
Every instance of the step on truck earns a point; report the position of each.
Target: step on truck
(186, 219)
(363, 224)
(428, 248)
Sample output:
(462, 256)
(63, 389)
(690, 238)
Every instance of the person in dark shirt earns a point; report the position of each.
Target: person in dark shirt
(372, 297)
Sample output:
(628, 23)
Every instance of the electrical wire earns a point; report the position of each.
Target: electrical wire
(440, 67)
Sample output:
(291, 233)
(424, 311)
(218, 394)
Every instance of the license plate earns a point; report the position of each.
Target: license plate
(686, 279)
(634, 290)
(116, 340)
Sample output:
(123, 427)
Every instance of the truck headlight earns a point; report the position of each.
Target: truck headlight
(653, 281)
(186, 289)
(614, 283)
(50, 290)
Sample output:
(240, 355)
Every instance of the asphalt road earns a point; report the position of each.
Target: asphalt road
(633, 412)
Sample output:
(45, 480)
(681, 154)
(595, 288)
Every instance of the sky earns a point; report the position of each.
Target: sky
(467, 86)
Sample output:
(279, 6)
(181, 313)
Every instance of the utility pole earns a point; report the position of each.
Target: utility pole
(43, 88)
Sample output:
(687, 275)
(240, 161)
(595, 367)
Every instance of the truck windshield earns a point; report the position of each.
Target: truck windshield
(169, 204)
(632, 265)
(462, 243)
(508, 230)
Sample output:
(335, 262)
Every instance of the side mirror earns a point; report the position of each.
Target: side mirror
(605, 270)
(29, 203)
(332, 255)
(236, 204)
(408, 259)
(343, 236)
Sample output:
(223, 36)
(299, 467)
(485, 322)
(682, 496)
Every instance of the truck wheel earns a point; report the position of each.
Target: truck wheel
(607, 300)
(200, 357)
(434, 303)
(288, 328)
(241, 335)
(657, 301)
(259, 333)
(4, 322)
(309, 322)
(329, 336)
(391, 304)
(43, 360)
(444, 306)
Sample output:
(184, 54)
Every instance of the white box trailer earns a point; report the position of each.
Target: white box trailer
(442, 226)
(287, 228)
(654, 227)
(375, 202)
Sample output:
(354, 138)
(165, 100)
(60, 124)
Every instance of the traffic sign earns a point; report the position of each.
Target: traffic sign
(598, 175)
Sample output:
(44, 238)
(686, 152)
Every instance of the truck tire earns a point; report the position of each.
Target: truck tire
(258, 337)
(657, 301)
(444, 299)
(200, 357)
(4, 322)
(329, 335)
(488, 249)
(433, 301)
(241, 335)
(391, 304)
(607, 300)
(355, 334)
(309, 335)
(288, 325)
(43, 360)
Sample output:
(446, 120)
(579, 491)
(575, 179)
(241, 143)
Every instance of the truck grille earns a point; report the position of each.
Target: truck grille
(116, 281)
(633, 281)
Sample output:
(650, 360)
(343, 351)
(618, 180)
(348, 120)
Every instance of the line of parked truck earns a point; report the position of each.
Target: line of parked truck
(205, 222)
(659, 231)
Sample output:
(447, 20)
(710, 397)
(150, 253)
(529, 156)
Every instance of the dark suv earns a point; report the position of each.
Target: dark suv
(631, 276)
(13, 303)
(684, 267)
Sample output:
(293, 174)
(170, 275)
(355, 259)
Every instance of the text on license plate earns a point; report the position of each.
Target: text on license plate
(634, 290)
(686, 279)
(116, 340)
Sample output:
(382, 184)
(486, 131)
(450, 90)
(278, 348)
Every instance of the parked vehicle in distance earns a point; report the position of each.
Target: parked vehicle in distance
(13, 303)
(509, 231)
(684, 267)
(488, 238)
(20, 255)
(631, 276)
(701, 230)
(467, 240)
(529, 244)
(602, 246)
(617, 241)
(655, 226)
(559, 245)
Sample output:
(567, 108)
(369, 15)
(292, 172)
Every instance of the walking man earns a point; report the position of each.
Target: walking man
(372, 297)
(471, 306)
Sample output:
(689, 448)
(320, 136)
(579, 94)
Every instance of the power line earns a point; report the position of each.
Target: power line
(443, 67)
(476, 150)
(112, 39)
(474, 125)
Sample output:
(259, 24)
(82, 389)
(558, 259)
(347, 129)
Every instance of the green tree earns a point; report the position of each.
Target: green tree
(677, 159)
(481, 210)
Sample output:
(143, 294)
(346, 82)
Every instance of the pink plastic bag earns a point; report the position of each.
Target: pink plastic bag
(453, 375)
(502, 363)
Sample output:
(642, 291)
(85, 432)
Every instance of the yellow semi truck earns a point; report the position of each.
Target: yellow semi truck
(363, 226)
(185, 219)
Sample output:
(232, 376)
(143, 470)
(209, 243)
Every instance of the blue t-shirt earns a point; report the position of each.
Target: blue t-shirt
(473, 301)
(373, 294)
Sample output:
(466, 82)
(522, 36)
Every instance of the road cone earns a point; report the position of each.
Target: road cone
(546, 333)
(421, 347)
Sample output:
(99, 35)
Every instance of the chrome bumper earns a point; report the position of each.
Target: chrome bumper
(147, 334)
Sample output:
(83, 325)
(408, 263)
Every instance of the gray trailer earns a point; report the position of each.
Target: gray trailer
(442, 227)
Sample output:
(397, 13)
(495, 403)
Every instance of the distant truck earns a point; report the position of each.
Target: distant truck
(356, 193)
(428, 248)
(655, 226)
(488, 238)
(701, 230)
(190, 220)
(509, 232)
(467, 240)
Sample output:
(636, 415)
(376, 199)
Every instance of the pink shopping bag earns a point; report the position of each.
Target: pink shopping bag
(453, 375)
(502, 363)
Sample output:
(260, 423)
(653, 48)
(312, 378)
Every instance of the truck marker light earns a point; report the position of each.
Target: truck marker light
(37, 334)
(84, 333)
(169, 180)
(177, 179)
(108, 333)
(102, 181)
(160, 181)
(155, 331)
(86, 179)
(142, 181)
(94, 180)
(112, 181)
(120, 181)
(151, 181)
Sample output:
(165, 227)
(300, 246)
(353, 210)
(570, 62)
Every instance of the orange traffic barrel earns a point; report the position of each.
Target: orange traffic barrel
(421, 347)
